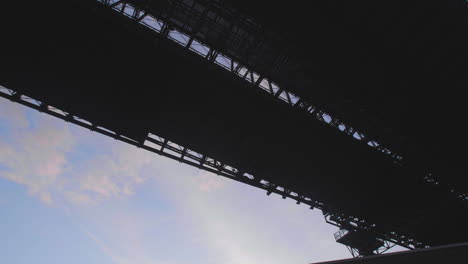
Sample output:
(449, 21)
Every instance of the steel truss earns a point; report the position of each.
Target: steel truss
(187, 36)
(172, 150)
(389, 240)
(357, 254)
(452, 190)
(383, 245)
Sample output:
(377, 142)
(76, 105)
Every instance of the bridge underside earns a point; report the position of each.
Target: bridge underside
(83, 58)
(455, 254)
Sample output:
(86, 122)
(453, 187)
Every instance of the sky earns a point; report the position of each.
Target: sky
(69, 195)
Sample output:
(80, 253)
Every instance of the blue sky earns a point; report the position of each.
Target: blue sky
(68, 195)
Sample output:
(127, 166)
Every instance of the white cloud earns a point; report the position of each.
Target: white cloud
(37, 155)
(111, 175)
(79, 198)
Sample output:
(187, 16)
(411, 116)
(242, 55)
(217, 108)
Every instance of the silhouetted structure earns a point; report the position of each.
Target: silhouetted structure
(453, 254)
(351, 107)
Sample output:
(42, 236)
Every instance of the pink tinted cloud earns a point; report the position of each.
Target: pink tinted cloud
(53, 165)
(208, 182)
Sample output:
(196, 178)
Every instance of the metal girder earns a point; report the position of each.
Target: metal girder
(115, 3)
(350, 222)
(214, 51)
